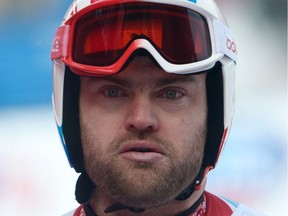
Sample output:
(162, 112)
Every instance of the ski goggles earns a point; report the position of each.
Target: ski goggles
(99, 41)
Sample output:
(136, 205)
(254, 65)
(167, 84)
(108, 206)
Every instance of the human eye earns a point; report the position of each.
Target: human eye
(171, 94)
(113, 91)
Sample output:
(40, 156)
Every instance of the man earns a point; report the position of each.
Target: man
(143, 98)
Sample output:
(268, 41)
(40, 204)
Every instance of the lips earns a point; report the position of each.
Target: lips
(141, 149)
(142, 152)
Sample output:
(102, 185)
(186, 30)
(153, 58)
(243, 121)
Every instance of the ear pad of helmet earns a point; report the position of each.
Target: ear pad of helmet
(215, 119)
(71, 123)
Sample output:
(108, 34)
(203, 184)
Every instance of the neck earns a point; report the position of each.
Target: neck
(101, 201)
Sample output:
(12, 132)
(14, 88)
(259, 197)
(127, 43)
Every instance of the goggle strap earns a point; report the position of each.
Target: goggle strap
(60, 43)
(224, 40)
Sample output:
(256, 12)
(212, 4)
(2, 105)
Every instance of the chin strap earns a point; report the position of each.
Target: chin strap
(186, 193)
(197, 209)
(196, 184)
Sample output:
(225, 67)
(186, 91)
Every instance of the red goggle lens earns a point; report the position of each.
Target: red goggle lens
(179, 34)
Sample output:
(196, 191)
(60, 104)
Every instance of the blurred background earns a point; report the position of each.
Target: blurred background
(35, 178)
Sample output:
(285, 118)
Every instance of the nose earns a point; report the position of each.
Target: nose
(141, 116)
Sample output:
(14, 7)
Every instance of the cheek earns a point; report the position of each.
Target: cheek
(193, 142)
(187, 132)
(98, 129)
(94, 142)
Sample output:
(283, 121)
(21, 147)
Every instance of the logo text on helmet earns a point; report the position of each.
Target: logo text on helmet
(231, 45)
(55, 44)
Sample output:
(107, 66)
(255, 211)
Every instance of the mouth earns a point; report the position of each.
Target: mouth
(142, 152)
(139, 149)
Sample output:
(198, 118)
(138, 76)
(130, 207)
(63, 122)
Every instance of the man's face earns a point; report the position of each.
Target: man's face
(143, 132)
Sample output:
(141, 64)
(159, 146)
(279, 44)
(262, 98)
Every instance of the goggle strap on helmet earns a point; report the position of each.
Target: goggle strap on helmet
(224, 40)
(60, 43)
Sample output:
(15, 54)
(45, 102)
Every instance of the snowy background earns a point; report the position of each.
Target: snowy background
(35, 178)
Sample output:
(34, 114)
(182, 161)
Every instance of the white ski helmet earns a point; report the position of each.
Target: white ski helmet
(97, 37)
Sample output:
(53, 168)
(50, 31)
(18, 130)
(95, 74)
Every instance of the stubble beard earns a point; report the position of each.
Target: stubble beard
(144, 185)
